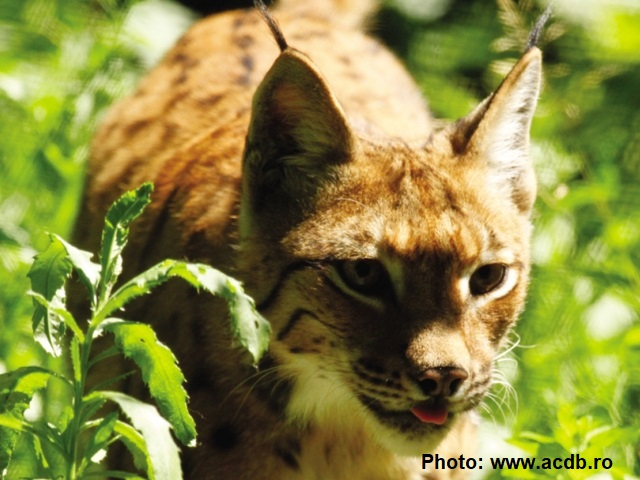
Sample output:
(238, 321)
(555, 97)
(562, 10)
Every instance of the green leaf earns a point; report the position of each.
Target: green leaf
(10, 429)
(48, 273)
(75, 360)
(115, 474)
(101, 438)
(160, 372)
(16, 391)
(10, 422)
(90, 405)
(65, 417)
(116, 230)
(249, 327)
(88, 271)
(56, 311)
(163, 453)
(17, 388)
(135, 443)
(536, 437)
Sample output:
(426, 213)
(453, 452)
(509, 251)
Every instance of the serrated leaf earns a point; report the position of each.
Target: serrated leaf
(65, 417)
(249, 327)
(88, 271)
(10, 428)
(163, 453)
(48, 274)
(101, 437)
(16, 391)
(58, 313)
(116, 230)
(160, 373)
(17, 387)
(135, 443)
(140, 285)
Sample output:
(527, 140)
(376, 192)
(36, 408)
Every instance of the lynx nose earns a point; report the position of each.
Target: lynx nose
(442, 381)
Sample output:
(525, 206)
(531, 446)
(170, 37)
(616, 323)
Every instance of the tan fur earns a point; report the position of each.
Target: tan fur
(317, 179)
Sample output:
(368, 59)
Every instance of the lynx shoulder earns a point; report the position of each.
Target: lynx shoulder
(391, 259)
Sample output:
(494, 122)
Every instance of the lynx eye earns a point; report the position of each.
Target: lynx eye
(487, 278)
(366, 276)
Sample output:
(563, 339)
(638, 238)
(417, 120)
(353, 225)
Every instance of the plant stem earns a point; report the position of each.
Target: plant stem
(79, 384)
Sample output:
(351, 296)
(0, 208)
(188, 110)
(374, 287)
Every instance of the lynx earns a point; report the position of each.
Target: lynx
(390, 257)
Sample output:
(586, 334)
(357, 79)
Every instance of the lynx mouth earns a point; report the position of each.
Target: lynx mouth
(421, 417)
(430, 412)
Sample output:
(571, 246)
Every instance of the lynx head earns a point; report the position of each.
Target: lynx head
(390, 272)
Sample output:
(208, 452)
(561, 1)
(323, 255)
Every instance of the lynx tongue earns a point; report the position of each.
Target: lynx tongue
(436, 414)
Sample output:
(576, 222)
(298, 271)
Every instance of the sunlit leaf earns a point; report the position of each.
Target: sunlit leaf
(134, 441)
(116, 230)
(100, 438)
(57, 313)
(91, 404)
(160, 373)
(88, 271)
(250, 328)
(163, 452)
(48, 273)
(16, 391)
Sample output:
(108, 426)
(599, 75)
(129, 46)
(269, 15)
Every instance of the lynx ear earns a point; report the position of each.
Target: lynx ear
(298, 132)
(497, 131)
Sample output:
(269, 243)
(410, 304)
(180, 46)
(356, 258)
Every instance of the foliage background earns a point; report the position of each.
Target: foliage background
(577, 375)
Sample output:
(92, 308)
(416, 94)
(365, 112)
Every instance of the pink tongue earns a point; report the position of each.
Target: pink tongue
(431, 414)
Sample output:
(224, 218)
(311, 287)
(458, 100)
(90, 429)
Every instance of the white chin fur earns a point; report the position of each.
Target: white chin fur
(325, 401)
(398, 443)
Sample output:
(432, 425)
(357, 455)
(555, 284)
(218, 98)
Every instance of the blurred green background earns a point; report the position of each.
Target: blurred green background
(576, 369)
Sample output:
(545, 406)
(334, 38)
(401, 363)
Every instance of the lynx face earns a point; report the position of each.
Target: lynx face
(392, 271)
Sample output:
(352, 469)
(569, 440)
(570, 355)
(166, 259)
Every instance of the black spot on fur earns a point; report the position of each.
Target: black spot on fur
(372, 365)
(249, 65)
(136, 127)
(210, 101)
(245, 41)
(169, 131)
(328, 452)
(288, 451)
(175, 100)
(200, 379)
(225, 437)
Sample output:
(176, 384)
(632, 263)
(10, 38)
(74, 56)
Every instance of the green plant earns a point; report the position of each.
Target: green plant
(72, 445)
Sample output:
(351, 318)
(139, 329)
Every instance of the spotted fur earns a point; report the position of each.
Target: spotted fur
(390, 258)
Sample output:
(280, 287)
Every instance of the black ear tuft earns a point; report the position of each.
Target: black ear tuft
(536, 32)
(272, 24)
